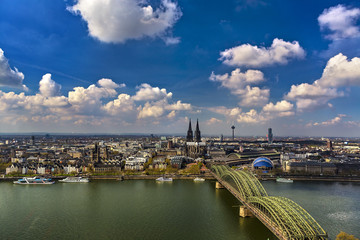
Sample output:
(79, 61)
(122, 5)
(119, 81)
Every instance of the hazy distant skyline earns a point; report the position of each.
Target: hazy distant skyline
(134, 66)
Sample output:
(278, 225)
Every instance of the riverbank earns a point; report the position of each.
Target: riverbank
(207, 176)
(126, 177)
(316, 178)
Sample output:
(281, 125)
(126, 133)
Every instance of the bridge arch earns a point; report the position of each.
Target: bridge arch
(283, 215)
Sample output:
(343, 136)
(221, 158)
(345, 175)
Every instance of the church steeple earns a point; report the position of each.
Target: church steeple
(189, 136)
(197, 132)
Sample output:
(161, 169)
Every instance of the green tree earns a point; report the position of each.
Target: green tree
(345, 236)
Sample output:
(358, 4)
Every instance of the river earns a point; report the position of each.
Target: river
(144, 209)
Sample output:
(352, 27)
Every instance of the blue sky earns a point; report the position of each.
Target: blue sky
(148, 66)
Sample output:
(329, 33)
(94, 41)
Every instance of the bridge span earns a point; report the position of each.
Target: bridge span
(285, 218)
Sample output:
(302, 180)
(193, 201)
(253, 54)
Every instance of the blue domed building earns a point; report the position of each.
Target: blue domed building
(263, 163)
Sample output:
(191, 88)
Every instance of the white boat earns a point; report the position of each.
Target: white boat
(74, 180)
(164, 179)
(197, 179)
(34, 180)
(284, 180)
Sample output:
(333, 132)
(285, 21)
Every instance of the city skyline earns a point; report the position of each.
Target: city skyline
(149, 66)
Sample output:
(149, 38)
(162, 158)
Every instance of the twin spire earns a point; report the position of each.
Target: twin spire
(190, 137)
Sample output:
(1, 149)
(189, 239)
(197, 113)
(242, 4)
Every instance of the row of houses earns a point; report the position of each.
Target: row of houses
(44, 168)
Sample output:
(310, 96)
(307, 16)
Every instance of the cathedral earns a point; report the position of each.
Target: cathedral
(194, 148)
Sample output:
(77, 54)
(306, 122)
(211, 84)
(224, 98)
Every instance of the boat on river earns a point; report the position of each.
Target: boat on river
(34, 180)
(74, 180)
(284, 180)
(198, 179)
(164, 179)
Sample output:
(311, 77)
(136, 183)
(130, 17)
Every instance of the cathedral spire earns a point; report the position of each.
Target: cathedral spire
(189, 136)
(197, 132)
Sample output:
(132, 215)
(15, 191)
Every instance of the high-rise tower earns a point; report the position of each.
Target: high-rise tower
(233, 132)
(270, 136)
(189, 136)
(197, 132)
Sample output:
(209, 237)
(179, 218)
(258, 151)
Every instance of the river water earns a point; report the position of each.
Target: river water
(144, 209)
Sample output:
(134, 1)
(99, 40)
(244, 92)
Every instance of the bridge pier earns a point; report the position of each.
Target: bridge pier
(218, 185)
(245, 212)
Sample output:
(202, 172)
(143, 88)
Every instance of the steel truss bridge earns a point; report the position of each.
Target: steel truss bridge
(285, 218)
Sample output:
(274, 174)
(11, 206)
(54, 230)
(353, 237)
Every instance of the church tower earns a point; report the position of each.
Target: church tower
(189, 136)
(197, 132)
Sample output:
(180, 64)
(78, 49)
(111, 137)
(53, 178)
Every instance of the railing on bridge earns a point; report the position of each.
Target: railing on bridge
(285, 218)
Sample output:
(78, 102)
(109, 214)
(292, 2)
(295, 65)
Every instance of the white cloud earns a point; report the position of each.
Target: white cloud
(159, 108)
(213, 121)
(280, 52)
(10, 77)
(340, 72)
(228, 112)
(118, 21)
(147, 92)
(150, 111)
(171, 40)
(48, 87)
(179, 106)
(254, 96)
(238, 80)
(311, 96)
(122, 104)
(340, 22)
(172, 114)
(281, 109)
(251, 116)
(239, 84)
(108, 83)
(86, 107)
(282, 106)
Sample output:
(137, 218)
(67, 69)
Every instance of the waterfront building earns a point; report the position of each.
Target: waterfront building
(310, 167)
(247, 157)
(262, 163)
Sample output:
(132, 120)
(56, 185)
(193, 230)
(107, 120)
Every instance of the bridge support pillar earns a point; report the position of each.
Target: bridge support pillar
(245, 212)
(218, 185)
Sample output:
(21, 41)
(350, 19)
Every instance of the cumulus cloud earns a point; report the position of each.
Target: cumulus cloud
(48, 87)
(254, 96)
(280, 52)
(340, 72)
(146, 92)
(213, 121)
(88, 106)
(178, 106)
(157, 109)
(108, 83)
(340, 22)
(228, 112)
(238, 80)
(311, 96)
(334, 121)
(122, 104)
(251, 116)
(114, 21)
(269, 112)
(282, 108)
(149, 110)
(8, 76)
(239, 84)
